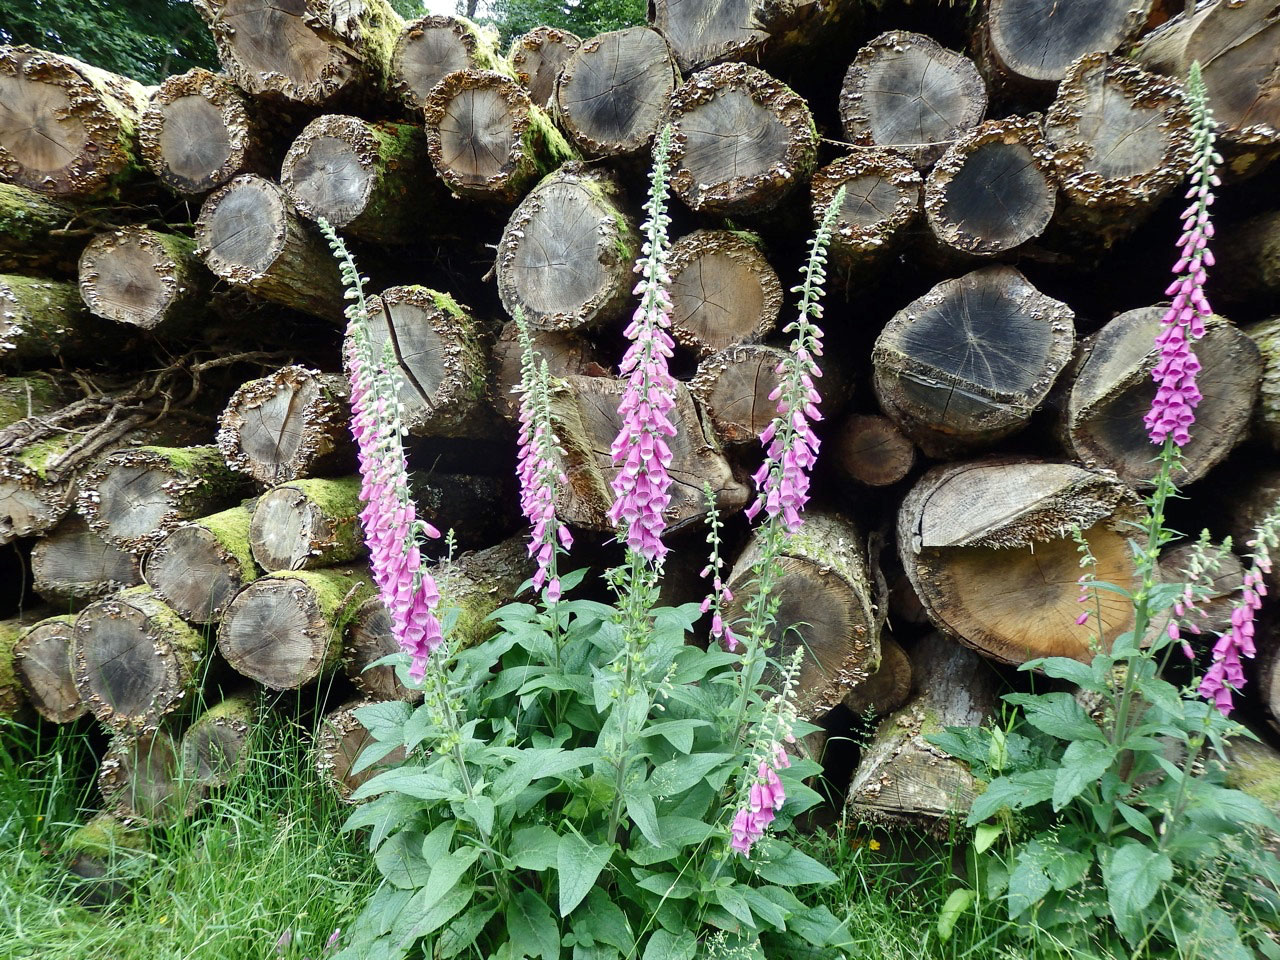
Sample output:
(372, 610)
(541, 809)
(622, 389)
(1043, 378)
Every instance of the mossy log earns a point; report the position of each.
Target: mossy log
(885, 690)
(1248, 255)
(987, 546)
(741, 141)
(134, 660)
(566, 256)
(146, 279)
(733, 387)
(1111, 390)
(43, 319)
(825, 606)
(66, 129)
(1267, 414)
(250, 235)
(33, 229)
(142, 781)
(902, 779)
(285, 629)
(307, 524)
(723, 291)
(882, 193)
(71, 565)
(291, 424)
(31, 395)
(536, 59)
(870, 450)
(340, 741)
(42, 661)
(101, 854)
(13, 699)
(429, 48)
(199, 565)
(132, 498)
(215, 749)
(907, 92)
(968, 363)
(565, 354)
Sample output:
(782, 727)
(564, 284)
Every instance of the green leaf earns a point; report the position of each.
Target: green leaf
(1162, 694)
(1137, 819)
(411, 781)
(480, 809)
(534, 764)
(818, 926)
(985, 835)
(534, 848)
(732, 899)
(783, 864)
(371, 754)
(956, 904)
(439, 841)
(532, 928)
(668, 885)
(606, 921)
(445, 873)
(400, 860)
(1029, 881)
(1064, 668)
(668, 946)
(674, 777)
(765, 907)
(383, 816)
(641, 811)
(578, 863)
(678, 733)
(1016, 791)
(1083, 763)
(1133, 875)
(436, 916)
(462, 933)
(1057, 714)
(385, 721)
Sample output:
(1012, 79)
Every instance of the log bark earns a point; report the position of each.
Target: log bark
(198, 566)
(871, 450)
(73, 566)
(993, 190)
(42, 320)
(13, 699)
(285, 629)
(372, 181)
(987, 546)
(585, 413)
(885, 690)
(314, 52)
(215, 749)
(444, 362)
(250, 235)
(902, 779)
(565, 354)
(825, 606)
(291, 424)
(132, 498)
(741, 141)
(42, 660)
(199, 131)
(881, 200)
(1112, 390)
(487, 139)
(66, 129)
(907, 92)
(430, 48)
(1266, 336)
(145, 278)
(33, 229)
(536, 58)
(307, 524)
(1249, 259)
(141, 780)
(723, 291)
(100, 853)
(968, 363)
(134, 660)
(369, 639)
(611, 94)
(339, 743)
(733, 387)
(566, 254)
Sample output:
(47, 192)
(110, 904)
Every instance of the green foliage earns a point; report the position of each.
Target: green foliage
(585, 18)
(143, 39)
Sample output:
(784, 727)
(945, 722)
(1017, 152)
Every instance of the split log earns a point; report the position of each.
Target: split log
(882, 193)
(611, 94)
(1248, 255)
(968, 363)
(132, 498)
(285, 629)
(199, 131)
(43, 319)
(536, 59)
(73, 566)
(291, 424)
(250, 235)
(1121, 141)
(445, 366)
(432, 47)
(306, 524)
(907, 92)
(1112, 390)
(987, 546)
(825, 606)
(42, 661)
(585, 414)
(733, 387)
(66, 128)
(369, 639)
(101, 853)
(32, 229)
(1266, 336)
(141, 780)
(198, 566)
(885, 690)
(371, 181)
(567, 252)
(994, 189)
(903, 779)
(340, 741)
(723, 291)
(13, 699)
(1033, 42)
(487, 139)
(216, 747)
(741, 141)
(134, 660)
(145, 278)
(872, 451)
(29, 396)
(313, 53)
(565, 354)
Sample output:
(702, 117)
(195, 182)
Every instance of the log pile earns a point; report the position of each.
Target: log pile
(176, 468)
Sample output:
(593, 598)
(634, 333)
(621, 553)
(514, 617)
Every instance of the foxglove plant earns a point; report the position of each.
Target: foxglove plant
(714, 602)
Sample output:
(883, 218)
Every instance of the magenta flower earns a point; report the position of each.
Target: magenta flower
(1226, 674)
(764, 799)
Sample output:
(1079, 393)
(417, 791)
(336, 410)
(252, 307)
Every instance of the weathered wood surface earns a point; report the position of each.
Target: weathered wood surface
(536, 58)
(43, 319)
(199, 565)
(1266, 335)
(882, 196)
(141, 780)
(734, 385)
(216, 748)
(307, 524)
(42, 662)
(871, 450)
(723, 290)
(34, 230)
(145, 278)
(564, 353)
(429, 48)
(339, 744)
(71, 565)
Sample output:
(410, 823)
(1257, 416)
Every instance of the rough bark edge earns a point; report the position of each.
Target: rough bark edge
(851, 240)
(242, 131)
(742, 247)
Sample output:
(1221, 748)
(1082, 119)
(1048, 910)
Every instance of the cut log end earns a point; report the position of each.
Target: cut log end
(536, 59)
(881, 199)
(734, 387)
(141, 780)
(216, 747)
(1035, 41)
(73, 565)
(566, 354)
(200, 565)
(42, 661)
(143, 278)
(307, 524)
(872, 451)
(339, 743)
(330, 170)
(430, 48)
(712, 31)
(195, 133)
(370, 640)
(723, 291)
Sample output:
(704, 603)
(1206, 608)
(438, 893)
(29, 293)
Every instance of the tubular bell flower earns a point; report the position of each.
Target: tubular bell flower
(761, 792)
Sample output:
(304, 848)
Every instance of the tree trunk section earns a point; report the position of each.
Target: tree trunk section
(199, 565)
(537, 57)
(907, 92)
(42, 320)
(612, 93)
(881, 199)
(145, 279)
(1267, 416)
(1112, 390)
(969, 362)
(567, 252)
(872, 451)
(885, 690)
(42, 660)
(430, 48)
(250, 235)
(723, 291)
(215, 749)
(902, 779)
(134, 660)
(141, 780)
(13, 699)
(987, 546)
(341, 740)
(370, 639)
(1249, 255)
(286, 628)
(73, 566)
(566, 354)
(30, 396)
(307, 524)
(476, 584)
(66, 129)
(733, 387)
(291, 424)
(742, 141)
(31, 230)
(703, 32)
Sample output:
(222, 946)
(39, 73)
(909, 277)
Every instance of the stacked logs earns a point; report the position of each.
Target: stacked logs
(192, 524)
